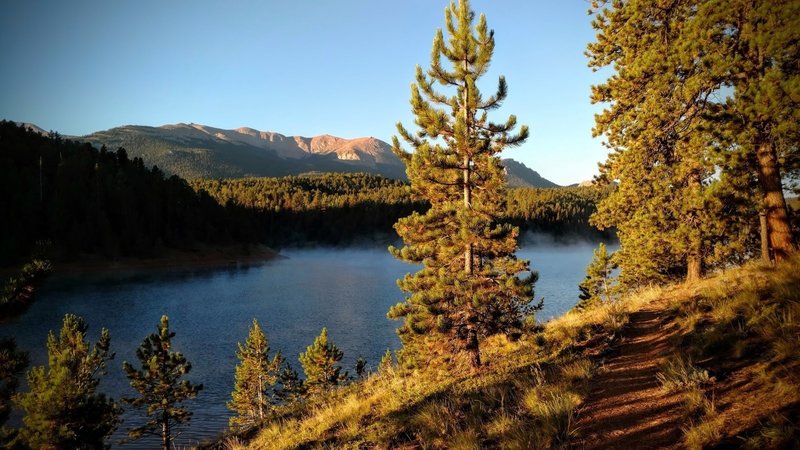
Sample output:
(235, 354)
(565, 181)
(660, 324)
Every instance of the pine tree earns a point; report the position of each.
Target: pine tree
(292, 388)
(468, 287)
(256, 376)
(160, 386)
(319, 363)
(657, 127)
(599, 285)
(752, 47)
(12, 363)
(62, 408)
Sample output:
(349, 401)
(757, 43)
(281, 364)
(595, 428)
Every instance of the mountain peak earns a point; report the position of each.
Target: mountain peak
(520, 175)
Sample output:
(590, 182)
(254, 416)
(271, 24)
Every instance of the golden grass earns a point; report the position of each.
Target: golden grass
(526, 395)
(524, 398)
(746, 323)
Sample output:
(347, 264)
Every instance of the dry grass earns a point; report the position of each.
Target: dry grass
(745, 325)
(740, 325)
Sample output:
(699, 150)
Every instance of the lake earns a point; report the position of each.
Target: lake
(347, 290)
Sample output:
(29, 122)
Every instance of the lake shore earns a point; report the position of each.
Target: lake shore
(201, 256)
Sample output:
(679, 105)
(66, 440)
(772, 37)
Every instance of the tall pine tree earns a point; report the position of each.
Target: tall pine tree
(256, 376)
(468, 287)
(752, 46)
(62, 408)
(657, 128)
(160, 386)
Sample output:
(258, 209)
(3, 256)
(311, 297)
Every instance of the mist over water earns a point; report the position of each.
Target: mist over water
(347, 290)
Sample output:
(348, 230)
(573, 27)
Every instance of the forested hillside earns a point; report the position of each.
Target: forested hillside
(199, 151)
(345, 208)
(84, 200)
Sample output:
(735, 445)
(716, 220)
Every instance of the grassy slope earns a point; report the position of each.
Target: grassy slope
(734, 346)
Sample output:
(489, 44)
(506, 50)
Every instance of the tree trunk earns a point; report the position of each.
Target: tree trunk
(467, 204)
(694, 261)
(260, 399)
(694, 268)
(473, 348)
(769, 178)
(762, 219)
(165, 431)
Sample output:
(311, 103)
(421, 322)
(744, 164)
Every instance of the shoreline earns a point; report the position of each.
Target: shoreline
(201, 256)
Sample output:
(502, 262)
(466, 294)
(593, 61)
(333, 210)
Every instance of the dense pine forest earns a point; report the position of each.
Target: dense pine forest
(88, 201)
(349, 208)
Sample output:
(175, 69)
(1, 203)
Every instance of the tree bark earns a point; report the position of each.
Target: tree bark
(694, 261)
(762, 219)
(769, 178)
(694, 268)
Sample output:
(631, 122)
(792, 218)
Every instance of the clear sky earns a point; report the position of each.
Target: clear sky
(302, 67)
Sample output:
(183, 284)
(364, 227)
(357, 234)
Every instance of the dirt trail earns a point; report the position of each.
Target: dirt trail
(625, 408)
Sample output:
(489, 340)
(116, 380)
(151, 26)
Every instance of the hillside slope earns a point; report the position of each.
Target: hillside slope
(711, 364)
(520, 175)
(201, 151)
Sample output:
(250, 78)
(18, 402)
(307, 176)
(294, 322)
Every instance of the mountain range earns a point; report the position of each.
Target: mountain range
(201, 151)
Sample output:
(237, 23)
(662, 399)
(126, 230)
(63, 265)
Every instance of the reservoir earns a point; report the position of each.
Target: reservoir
(347, 290)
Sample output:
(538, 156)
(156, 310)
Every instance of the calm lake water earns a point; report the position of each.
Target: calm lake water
(346, 290)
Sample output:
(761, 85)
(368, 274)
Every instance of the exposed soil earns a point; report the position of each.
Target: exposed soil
(625, 407)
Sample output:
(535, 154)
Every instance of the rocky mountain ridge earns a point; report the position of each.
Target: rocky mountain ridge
(200, 151)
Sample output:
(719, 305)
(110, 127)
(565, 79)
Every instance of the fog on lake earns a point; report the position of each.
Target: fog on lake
(347, 290)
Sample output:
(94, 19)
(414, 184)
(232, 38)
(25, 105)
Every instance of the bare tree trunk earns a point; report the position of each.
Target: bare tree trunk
(762, 219)
(769, 177)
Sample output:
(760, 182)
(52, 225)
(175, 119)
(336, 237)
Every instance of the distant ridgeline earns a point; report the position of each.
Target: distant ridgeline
(90, 201)
(86, 200)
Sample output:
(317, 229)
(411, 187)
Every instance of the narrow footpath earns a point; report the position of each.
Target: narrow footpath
(626, 408)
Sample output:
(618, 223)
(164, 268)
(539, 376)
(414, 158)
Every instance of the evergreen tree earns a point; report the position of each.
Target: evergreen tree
(599, 285)
(256, 377)
(12, 363)
(62, 408)
(752, 46)
(319, 363)
(468, 287)
(657, 125)
(160, 386)
(292, 388)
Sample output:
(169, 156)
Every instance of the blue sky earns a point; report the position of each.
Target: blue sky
(302, 67)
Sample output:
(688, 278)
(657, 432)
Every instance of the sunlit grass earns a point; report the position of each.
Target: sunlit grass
(528, 391)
